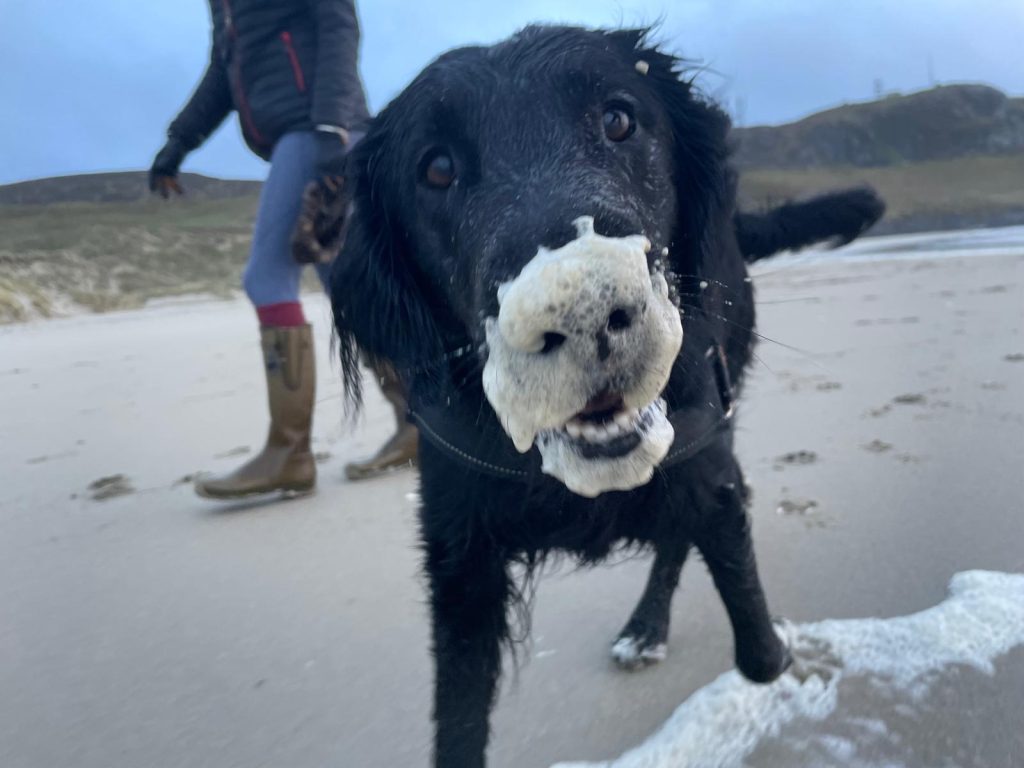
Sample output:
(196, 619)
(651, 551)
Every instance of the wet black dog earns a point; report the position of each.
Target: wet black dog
(488, 156)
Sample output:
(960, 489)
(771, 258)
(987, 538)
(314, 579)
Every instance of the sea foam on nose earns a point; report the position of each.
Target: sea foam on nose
(572, 291)
(573, 288)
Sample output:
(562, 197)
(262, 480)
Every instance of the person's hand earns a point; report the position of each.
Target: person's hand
(163, 175)
(320, 229)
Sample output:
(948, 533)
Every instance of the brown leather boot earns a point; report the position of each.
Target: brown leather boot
(286, 462)
(403, 447)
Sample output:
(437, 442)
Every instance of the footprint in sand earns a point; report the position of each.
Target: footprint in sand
(797, 507)
(110, 487)
(909, 399)
(44, 459)
(1014, 357)
(796, 458)
(877, 446)
(239, 451)
(908, 458)
(805, 510)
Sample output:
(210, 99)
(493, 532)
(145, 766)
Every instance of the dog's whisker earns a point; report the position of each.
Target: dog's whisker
(812, 357)
(750, 329)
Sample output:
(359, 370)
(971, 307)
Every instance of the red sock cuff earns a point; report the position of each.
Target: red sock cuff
(287, 314)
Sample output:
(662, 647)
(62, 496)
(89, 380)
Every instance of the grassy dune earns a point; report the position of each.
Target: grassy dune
(69, 257)
(946, 194)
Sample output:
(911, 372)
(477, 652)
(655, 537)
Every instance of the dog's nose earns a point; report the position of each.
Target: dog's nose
(587, 297)
(546, 341)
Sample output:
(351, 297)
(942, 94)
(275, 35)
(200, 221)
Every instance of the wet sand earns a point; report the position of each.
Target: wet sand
(151, 628)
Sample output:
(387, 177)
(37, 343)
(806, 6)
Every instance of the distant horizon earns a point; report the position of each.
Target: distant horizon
(260, 177)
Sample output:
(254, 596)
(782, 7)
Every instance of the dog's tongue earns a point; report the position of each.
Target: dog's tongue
(602, 402)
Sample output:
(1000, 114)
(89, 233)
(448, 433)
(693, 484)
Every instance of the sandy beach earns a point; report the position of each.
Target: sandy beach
(882, 431)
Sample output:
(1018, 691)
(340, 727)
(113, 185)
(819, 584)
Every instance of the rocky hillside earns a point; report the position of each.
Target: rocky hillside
(939, 124)
(948, 158)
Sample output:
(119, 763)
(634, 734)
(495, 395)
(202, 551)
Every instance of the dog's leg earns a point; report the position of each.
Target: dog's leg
(469, 591)
(644, 638)
(724, 541)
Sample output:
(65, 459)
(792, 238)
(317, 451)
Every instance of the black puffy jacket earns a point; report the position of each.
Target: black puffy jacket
(285, 65)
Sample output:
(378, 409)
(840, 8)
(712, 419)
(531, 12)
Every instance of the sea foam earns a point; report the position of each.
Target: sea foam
(722, 723)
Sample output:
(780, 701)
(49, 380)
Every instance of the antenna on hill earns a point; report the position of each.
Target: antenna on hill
(739, 110)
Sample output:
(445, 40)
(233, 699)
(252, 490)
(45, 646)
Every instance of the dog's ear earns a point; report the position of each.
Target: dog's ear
(380, 311)
(705, 185)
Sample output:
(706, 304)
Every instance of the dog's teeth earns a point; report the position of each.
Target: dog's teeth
(622, 423)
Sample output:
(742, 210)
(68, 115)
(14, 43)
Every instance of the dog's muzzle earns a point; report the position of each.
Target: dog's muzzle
(578, 356)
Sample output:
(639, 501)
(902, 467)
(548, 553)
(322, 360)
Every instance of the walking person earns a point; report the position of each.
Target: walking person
(289, 68)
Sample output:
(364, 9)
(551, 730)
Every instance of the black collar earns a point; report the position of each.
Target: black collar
(460, 436)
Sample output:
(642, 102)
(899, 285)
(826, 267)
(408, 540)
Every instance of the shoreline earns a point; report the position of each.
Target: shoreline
(956, 243)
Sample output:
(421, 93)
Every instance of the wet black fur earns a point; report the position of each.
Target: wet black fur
(418, 273)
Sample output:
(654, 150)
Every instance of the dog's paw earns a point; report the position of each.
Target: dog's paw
(764, 662)
(630, 652)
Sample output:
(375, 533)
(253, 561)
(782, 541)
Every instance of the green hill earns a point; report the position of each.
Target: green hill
(64, 258)
(963, 193)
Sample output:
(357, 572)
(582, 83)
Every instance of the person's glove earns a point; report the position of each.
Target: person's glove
(320, 229)
(163, 175)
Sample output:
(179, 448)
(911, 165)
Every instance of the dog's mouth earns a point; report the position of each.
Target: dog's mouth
(605, 428)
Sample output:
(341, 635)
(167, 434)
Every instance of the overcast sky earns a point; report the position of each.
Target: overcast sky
(90, 85)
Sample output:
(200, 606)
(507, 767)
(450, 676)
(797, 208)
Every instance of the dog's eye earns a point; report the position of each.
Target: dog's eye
(439, 170)
(619, 123)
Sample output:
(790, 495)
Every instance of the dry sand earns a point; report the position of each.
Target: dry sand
(151, 628)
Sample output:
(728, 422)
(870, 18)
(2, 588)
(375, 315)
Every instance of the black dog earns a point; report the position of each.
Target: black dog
(534, 227)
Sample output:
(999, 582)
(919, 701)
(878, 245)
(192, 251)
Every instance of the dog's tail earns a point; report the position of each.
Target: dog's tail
(837, 216)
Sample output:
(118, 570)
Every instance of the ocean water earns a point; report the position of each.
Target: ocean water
(953, 244)
(928, 689)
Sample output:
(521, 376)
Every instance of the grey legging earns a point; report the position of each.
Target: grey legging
(272, 275)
